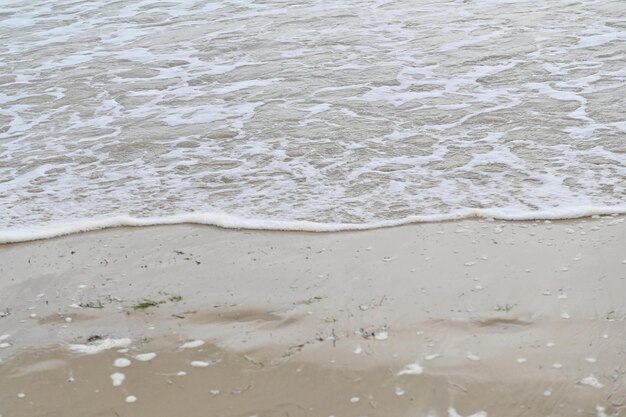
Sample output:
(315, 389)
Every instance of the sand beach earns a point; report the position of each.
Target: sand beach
(462, 318)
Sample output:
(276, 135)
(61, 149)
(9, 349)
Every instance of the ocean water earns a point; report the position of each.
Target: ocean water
(307, 114)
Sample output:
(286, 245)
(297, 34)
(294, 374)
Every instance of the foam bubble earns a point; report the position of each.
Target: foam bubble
(117, 379)
(121, 363)
(100, 346)
(412, 369)
(203, 364)
(592, 381)
(192, 344)
(145, 357)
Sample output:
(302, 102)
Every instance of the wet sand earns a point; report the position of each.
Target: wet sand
(444, 319)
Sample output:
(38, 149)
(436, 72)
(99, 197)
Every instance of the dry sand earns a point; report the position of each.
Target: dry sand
(444, 319)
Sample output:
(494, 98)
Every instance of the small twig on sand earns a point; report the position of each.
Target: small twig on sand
(462, 388)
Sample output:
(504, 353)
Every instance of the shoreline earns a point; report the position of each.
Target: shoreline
(471, 315)
(230, 222)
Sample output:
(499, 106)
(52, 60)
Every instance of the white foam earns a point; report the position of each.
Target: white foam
(453, 413)
(412, 369)
(203, 364)
(145, 357)
(165, 130)
(121, 362)
(381, 334)
(234, 222)
(192, 344)
(117, 379)
(592, 381)
(100, 346)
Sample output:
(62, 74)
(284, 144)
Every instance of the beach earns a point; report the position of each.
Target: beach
(243, 208)
(462, 318)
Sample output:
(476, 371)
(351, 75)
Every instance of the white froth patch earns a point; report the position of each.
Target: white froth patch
(117, 379)
(453, 413)
(399, 391)
(557, 365)
(354, 400)
(381, 335)
(192, 345)
(4, 345)
(145, 357)
(100, 346)
(472, 356)
(601, 412)
(203, 364)
(131, 399)
(121, 363)
(521, 360)
(412, 369)
(592, 381)
(4, 337)
(590, 359)
(358, 350)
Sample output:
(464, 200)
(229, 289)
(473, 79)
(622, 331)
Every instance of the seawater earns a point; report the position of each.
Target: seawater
(308, 115)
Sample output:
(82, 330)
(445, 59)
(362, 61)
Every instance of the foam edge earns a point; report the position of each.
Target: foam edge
(227, 221)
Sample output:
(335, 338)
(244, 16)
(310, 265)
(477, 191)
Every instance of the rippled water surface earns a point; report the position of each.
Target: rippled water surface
(331, 112)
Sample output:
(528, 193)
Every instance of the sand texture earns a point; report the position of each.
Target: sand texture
(471, 318)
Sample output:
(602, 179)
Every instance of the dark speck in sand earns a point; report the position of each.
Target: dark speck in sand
(146, 303)
(94, 338)
(92, 304)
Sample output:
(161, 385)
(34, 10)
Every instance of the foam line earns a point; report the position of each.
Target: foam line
(228, 221)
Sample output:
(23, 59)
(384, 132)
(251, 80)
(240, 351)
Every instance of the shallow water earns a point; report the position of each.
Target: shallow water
(348, 112)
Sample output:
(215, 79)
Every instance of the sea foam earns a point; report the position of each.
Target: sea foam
(233, 222)
(378, 114)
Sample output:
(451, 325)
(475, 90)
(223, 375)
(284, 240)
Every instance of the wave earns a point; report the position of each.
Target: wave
(228, 221)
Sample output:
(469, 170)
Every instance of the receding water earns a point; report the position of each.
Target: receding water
(330, 112)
